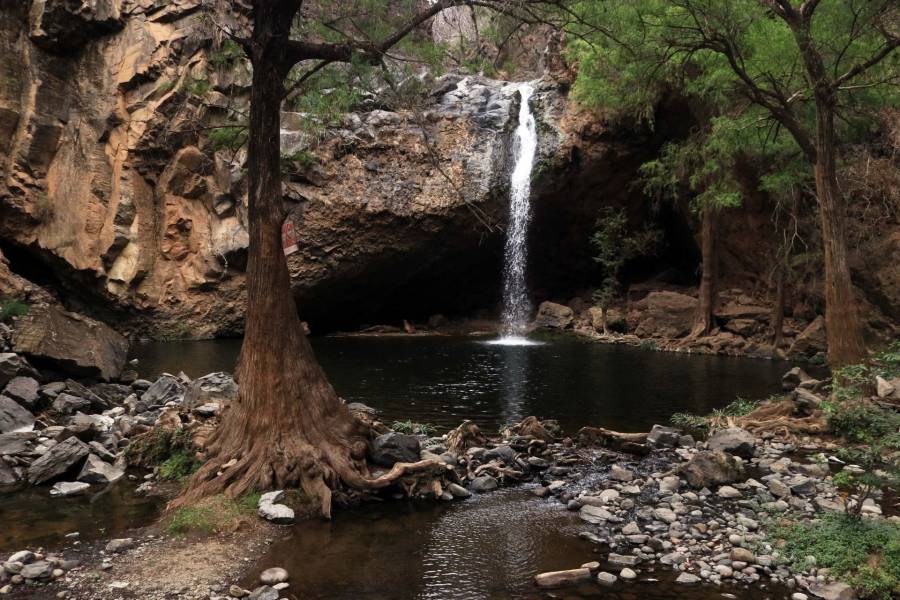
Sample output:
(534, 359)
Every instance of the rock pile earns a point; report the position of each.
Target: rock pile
(27, 567)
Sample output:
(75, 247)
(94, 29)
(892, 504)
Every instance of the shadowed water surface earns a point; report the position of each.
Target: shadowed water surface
(443, 380)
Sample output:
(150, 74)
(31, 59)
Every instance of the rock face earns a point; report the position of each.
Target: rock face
(13, 417)
(667, 315)
(811, 341)
(70, 343)
(733, 440)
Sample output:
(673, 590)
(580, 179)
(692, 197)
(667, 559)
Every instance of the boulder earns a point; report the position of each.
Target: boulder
(553, 579)
(394, 447)
(23, 390)
(13, 417)
(37, 570)
(96, 470)
(70, 343)
(554, 316)
(273, 576)
(12, 364)
(7, 475)
(667, 315)
(794, 378)
(119, 545)
(215, 388)
(167, 388)
(67, 404)
(733, 440)
(711, 468)
(276, 513)
(615, 320)
(17, 443)
(811, 341)
(663, 437)
(57, 461)
(883, 387)
(484, 483)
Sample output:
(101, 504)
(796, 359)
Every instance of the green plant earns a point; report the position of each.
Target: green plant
(196, 87)
(719, 418)
(648, 345)
(864, 552)
(230, 137)
(178, 466)
(411, 427)
(215, 514)
(303, 158)
(157, 446)
(11, 308)
(226, 55)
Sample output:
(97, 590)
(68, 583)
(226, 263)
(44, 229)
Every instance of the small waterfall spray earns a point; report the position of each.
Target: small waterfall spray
(516, 305)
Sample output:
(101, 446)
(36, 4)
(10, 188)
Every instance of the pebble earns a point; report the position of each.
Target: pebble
(273, 575)
(627, 574)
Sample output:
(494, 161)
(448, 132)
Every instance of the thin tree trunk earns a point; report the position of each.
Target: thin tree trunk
(778, 310)
(841, 317)
(603, 311)
(707, 292)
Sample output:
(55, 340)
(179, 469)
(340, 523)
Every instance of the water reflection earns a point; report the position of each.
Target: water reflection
(515, 382)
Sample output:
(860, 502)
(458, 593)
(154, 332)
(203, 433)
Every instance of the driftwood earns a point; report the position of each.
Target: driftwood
(530, 427)
(630, 443)
(786, 417)
(466, 436)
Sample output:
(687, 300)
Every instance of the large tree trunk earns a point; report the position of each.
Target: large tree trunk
(841, 317)
(288, 427)
(707, 291)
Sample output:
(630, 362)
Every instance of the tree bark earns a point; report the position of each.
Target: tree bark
(603, 311)
(778, 310)
(707, 291)
(287, 428)
(841, 316)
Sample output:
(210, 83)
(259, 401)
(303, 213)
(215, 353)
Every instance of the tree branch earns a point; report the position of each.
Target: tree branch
(890, 45)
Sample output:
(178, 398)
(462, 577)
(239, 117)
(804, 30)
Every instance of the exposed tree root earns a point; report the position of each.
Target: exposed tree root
(466, 436)
(630, 443)
(530, 427)
(782, 418)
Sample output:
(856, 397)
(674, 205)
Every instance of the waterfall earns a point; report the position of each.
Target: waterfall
(516, 305)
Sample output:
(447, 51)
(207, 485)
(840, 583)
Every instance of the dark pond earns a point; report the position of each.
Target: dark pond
(443, 380)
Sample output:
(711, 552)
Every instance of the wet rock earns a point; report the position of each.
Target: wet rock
(554, 316)
(663, 437)
(555, 579)
(61, 458)
(622, 560)
(23, 390)
(7, 475)
(833, 591)
(394, 447)
(594, 514)
(63, 489)
(273, 576)
(119, 545)
(733, 440)
(458, 491)
(215, 388)
(264, 592)
(606, 579)
(687, 579)
(167, 388)
(70, 342)
(627, 574)
(711, 468)
(484, 483)
(13, 417)
(96, 470)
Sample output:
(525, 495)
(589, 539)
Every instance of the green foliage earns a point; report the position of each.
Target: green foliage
(718, 418)
(226, 55)
(302, 158)
(413, 428)
(11, 308)
(158, 446)
(614, 246)
(178, 466)
(864, 552)
(230, 137)
(196, 87)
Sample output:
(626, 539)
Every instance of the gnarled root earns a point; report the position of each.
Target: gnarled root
(781, 418)
(529, 427)
(466, 436)
(630, 443)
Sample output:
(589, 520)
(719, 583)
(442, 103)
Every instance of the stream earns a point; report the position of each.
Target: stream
(488, 547)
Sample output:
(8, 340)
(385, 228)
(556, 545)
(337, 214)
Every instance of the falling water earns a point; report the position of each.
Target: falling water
(516, 305)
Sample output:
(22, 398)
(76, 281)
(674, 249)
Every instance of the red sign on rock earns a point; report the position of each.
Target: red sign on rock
(289, 238)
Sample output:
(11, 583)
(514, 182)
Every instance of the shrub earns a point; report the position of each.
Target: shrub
(11, 308)
(718, 418)
(865, 553)
(228, 138)
(411, 427)
(178, 466)
(196, 87)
